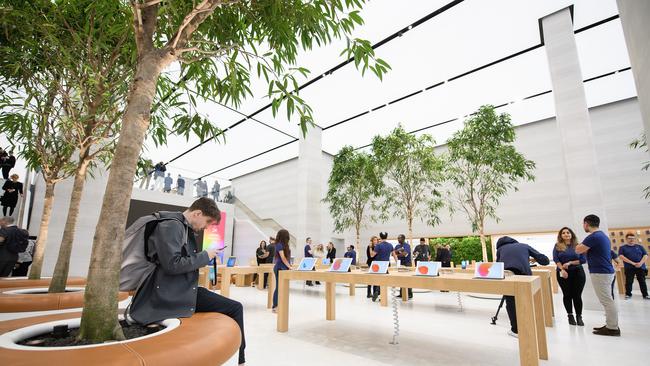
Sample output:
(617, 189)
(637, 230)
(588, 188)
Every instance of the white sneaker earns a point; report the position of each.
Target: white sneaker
(513, 334)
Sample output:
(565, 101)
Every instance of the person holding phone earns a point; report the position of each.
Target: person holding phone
(283, 253)
(171, 290)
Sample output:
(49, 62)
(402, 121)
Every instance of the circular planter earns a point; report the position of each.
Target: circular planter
(14, 300)
(9, 282)
(203, 339)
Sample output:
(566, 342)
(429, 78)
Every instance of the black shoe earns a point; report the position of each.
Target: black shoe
(410, 297)
(309, 283)
(318, 283)
(374, 297)
(579, 320)
(599, 328)
(608, 332)
(572, 320)
(368, 296)
(400, 296)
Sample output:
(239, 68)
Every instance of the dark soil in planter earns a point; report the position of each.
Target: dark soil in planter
(70, 338)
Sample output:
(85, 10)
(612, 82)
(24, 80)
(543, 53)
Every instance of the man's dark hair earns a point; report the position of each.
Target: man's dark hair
(383, 235)
(352, 247)
(308, 239)
(422, 239)
(207, 207)
(592, 220)
(401, 236)
(629, 234)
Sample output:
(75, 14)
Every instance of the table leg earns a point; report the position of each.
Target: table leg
(384, 295)
(547, 298)
(539, 322)
(260, 280)
(525, 308)
(353, 290)
(330, 299)
(225, 283)
(554, 282)
(270, 289)
(404, 294)
(283, 305)
(620, 281)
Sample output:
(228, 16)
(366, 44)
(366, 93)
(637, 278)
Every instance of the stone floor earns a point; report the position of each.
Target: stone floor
(432, 332)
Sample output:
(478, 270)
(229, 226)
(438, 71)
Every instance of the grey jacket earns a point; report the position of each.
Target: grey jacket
(170, 290)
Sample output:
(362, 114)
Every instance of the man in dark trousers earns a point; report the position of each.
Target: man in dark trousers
(270, 249)
(402, 255)
(381, 252)
(171, 291)
(13, 240)
(516, 258)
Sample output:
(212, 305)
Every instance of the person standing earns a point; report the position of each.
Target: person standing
(24, 259)
(308, 253)
(381, 252)
(422, 252)
(13, 240)
(443, 255)
(159, 176)
(171, 290)
(215, 190)
(331, 252)
(167, 188)
(598, 250)
(8, 164)
(402, 254)
(270, 249)
(180, 185)
(282, 256)
(260, 256)
(351, 253)
(516, 258)
(570, 274)
(634, 257)
(369, 258)
(4, 164)
(12, 189)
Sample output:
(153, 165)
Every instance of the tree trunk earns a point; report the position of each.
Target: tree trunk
(60, 276)
(410, 220)
(483, 246)
(99, 317)
(41, 243)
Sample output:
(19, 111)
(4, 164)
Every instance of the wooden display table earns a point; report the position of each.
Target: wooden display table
(527, 291)
(545, 276)
(227, 272)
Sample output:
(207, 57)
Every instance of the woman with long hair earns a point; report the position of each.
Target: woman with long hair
(260, 256)
(331, 252)
(282, 256)
(570, 274)
(373, 241)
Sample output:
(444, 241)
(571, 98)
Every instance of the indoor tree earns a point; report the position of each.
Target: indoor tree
(411, 175)
(640, 143)
(352, 187)
(218, 43)
(483, 165)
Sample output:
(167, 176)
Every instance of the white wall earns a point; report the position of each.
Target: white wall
(539, 206)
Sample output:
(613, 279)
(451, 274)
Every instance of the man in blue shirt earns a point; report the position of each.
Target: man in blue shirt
(167, 187)
(634, 257)
(351, 254)
(402, 254)
(309, 254)
(180, 185)
(598, 249)
(381, 252)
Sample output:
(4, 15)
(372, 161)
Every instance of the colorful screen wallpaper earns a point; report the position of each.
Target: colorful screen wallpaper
(489, 270)
(215, 234)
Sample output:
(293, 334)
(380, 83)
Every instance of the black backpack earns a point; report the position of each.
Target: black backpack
(17, 240)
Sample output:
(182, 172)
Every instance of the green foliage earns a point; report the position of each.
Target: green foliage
(640, 143)
(224, 41)
(483, 165)
(411, 175)
(465, 248)
(352, 187)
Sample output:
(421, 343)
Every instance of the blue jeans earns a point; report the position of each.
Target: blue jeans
(275, 292)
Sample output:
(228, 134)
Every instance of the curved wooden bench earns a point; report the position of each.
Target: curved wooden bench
(204, 339)
(43, 282)
(14, 303)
